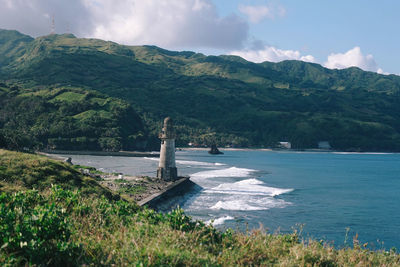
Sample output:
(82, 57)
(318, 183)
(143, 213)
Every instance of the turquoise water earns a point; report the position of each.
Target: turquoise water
(328, 194)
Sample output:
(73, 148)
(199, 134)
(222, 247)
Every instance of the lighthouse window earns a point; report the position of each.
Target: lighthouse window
(162, 142)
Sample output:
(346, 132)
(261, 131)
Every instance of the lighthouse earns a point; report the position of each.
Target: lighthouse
(167, 168)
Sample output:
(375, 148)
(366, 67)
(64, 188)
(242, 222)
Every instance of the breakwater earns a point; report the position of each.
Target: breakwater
(179, 187)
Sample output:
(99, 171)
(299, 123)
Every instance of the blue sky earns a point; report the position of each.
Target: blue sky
(336, 34)
(321, 28)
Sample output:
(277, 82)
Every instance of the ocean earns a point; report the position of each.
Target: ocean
(328, 196)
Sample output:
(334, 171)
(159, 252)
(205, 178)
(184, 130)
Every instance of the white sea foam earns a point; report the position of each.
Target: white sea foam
(229, 172)
(248, 187)
(191, 162)
(153, 159)
(249, 194)
(198, 163)
(220, 220)
(250, 204)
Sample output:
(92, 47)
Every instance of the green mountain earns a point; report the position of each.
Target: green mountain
(222, 99)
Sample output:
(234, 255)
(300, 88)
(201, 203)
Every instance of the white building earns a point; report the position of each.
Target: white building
(324, 145)
(286, 145)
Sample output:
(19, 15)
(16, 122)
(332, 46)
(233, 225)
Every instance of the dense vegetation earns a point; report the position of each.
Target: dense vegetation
(67, 118)
(222, 99)
(60, 225)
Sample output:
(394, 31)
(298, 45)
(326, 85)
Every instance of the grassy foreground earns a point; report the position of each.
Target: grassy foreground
(23, 171)
(57, 225)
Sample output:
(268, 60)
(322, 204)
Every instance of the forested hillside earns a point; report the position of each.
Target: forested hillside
(67, 118)
(223, 99)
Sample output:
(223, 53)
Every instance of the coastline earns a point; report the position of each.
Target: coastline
(54, 154)
(158, 195)
(101, 153)
(315, 150)
(143, 190)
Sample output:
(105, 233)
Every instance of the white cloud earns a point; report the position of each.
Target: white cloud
(257, 13)
(167, 23)
(33, 17)
(380, 71)
(353, 58)
(171, 24)
(199, 5)
(272, 54)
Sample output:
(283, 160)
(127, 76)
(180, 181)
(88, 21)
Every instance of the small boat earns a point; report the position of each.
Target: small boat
(214, 150)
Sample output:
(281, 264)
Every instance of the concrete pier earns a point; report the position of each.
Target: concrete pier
(179, 187)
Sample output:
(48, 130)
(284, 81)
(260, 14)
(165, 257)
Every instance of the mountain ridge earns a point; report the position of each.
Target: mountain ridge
(218, 99)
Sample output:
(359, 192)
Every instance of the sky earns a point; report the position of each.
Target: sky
(336, 34)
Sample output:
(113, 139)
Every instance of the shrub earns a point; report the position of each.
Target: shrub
(35, 230)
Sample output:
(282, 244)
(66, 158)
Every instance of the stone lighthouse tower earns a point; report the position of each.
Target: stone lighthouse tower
(167, 168)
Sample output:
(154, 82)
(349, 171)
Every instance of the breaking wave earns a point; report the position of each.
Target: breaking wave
(191, 162)
(229, 172)
(198, 163)
(248, 204)
(248, 187)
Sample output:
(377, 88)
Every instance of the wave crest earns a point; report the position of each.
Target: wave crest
(248, 187)
(229, 172)
(250, 204)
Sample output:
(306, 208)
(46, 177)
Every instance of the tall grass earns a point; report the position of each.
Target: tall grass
(70, 228)
(21, 171)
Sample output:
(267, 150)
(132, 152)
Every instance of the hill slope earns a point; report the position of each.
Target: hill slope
(223, 99)
(22, 171)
